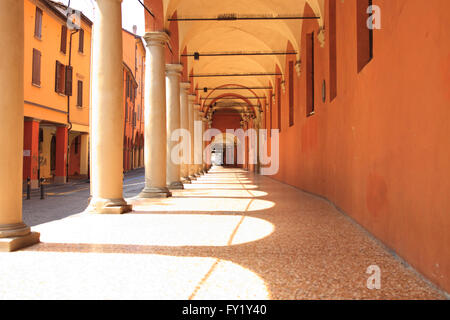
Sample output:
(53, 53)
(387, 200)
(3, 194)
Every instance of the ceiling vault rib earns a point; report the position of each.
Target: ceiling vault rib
(232, 98)
(222, 54)
(235, 75)
(235, 88)
(234, 17)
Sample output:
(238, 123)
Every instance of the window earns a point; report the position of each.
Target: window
(63, 39)
(291, 93)
(36, 71)
(81, 41)
(60, 76)
(68, 80)
(364, 34)
(279, 103)
(38, 23)
(127, 86)
(333, 55)
(310, 74)
(80, 93)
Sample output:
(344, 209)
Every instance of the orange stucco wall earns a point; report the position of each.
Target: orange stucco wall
(380, 150)
(41, 102)
(134, 66)
(46, 104)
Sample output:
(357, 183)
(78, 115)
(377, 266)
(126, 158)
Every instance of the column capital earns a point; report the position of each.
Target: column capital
(192, 97)
(174, 69)
(156, 38)
(197, 107)
(185, 85)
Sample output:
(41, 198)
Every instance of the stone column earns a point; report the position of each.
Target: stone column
(173, 75)
(184, 112)
(197, 140)
(14, 234)
(208, 155)
(192, 167)
(107, 118)
(155, 149)
(198, 136)
(204, 123)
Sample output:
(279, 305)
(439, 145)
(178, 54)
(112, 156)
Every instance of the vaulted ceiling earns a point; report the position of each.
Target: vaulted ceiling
(259, 34)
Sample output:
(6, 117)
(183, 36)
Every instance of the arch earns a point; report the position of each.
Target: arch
(230, 84)
(287, 29)
(237, 96)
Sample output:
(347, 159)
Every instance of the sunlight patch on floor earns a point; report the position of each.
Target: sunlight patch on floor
(156, 229)
(61, 275)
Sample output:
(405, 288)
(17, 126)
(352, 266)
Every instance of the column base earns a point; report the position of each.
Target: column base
(108, 206)
(153, 192)
(177, 185)
(16, 236)
(186, 180)
(16, 243)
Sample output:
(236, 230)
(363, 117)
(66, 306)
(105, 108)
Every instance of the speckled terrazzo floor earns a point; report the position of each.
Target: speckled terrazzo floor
(229, 235)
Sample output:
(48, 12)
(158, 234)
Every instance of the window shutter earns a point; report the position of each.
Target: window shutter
(63, 39)
(81, 41)
(38, 23)
(80, 94)
(68, 84)
(36, 71)
(57, 79)
(62, 78)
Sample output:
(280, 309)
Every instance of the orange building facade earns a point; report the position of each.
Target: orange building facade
(57, 95)
(133, 76)
(56, 100)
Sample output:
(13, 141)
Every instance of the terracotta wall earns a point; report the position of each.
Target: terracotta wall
(226, 121)
(381, 149)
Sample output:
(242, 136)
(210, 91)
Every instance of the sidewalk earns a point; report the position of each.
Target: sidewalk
(229, 235)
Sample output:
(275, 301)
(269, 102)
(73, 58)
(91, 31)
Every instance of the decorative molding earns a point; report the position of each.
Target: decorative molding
(321, 37)
(298, 67)
(174, 69)
(156, 38)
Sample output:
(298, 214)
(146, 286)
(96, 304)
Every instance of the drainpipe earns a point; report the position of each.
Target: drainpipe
(68, 107)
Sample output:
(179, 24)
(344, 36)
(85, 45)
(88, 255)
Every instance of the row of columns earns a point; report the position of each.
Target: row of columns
(168, 107)
(14, 234)
(106, 120)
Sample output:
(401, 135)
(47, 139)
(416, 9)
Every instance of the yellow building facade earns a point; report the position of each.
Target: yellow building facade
(56, 93)
(134, 79)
